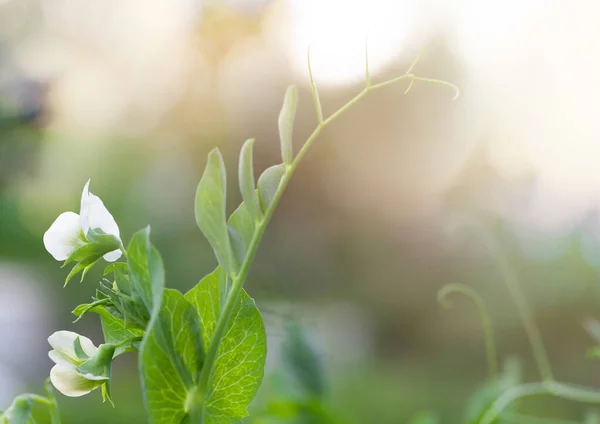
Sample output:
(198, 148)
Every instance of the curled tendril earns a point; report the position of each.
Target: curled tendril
(548, 386)
(486, 322)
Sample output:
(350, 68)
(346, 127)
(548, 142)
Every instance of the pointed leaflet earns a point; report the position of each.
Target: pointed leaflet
(171, 358)
(242, 228)
(286, 123)
(146, 271)
(246, 180)
(239, 367)
(268, 183)
(210, 210)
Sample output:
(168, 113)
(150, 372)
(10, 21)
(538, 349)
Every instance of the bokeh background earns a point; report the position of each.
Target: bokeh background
(393, 202)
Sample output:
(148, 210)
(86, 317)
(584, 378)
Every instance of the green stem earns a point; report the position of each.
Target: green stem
(561, 390)
(528, 419)
(237, 281)
(486, 322)
(533, 333)
(54, 411)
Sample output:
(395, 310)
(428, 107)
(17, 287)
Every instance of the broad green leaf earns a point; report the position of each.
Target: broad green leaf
(286, 123)
(268, 183)
(239, 367)
(210, 210)
(246, 180)
(424, 417)
(146, 271)
(303, 362)
(171, 358)
(242, 228)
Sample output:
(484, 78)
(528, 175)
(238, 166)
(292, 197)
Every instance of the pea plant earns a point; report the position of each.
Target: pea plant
(201, 353)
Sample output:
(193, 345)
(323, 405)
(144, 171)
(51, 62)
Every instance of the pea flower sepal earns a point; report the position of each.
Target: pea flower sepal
(86, 237)
(80, 367)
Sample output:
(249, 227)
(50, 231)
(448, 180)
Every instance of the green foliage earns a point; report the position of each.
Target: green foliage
(239, 365)
(211, 199)
(483, 399)
(424, 417)
(22, 409)
(592, 417)
(268, 184)
(246, 181)
(303, 362)
(286, 123)
(201, 355)
(20, 412)
(146, 270)
(171, 358)
(116, 332)
(89, 253)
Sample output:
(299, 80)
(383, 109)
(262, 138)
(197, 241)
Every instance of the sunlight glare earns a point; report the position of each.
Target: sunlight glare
(336, 31)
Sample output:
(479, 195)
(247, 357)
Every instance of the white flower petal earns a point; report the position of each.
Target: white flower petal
(70, 383)
(62, 359)
(63, 236)
(112, 256)
(63, 343)
(94, 214)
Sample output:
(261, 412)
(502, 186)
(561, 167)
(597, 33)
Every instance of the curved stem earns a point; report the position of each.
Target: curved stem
(561, 390)
(237, 281)
(486, 322)
(54, 410)
(528, 419)
(533, 333)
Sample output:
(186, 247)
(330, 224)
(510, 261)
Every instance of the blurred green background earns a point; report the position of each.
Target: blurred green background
(386, 209)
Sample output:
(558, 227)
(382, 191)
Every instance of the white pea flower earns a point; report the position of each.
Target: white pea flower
(69, 231)
(65, 375)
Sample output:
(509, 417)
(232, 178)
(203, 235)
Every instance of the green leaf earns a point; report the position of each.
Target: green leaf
(98, 246)
(424, 417)
(81, 310)
(303, 362)
(242, 228)
(268, 183)
(74, 271)
(239, 366)
(286, 123)
(116, 267)
(210, 210)
(146, 271)
(171, 358)
(20, 411)
(115, 331)
(246, 180)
